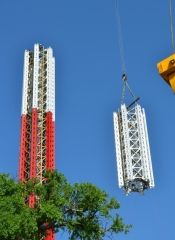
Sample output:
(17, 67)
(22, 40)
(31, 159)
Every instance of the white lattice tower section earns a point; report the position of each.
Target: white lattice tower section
(132, 150)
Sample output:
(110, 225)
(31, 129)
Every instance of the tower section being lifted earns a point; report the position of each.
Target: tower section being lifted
(37, 139)
(132, 149)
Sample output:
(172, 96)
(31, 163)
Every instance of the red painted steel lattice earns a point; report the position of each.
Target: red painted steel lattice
(37, 138)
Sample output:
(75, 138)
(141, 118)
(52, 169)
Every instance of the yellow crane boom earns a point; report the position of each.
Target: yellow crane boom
(166, 69)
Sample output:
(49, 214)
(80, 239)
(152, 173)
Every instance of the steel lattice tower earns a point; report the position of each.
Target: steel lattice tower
(37, 140)
(134, 163)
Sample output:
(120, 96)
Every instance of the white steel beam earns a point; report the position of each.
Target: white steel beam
(35, 76)
(143, 148)
(25, 82)
(50, 82)
(148, 150)
(53, 89)
(118, 150)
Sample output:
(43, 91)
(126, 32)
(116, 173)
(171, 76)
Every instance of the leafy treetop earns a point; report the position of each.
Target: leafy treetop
(82, 210)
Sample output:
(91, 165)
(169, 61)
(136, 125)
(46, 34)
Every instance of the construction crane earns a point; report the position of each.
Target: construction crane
(166, 67)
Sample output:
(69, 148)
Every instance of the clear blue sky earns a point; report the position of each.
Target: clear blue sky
(83, 35)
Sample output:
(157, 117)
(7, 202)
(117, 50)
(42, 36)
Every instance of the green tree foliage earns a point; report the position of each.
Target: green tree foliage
(82, 210)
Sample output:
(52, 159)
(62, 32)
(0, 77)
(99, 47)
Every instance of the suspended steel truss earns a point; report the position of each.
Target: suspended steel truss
(132, 149)
(131, 139)
(37, 140)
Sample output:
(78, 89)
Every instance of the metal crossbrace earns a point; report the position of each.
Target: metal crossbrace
(41, 143)
(133, 165)
(134, 145)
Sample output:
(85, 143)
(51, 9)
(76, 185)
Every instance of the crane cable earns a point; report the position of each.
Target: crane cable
(133, 214)
(158, 217)
(122, 57)
(171, 25)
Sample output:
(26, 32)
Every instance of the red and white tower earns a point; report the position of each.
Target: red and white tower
(37, 140)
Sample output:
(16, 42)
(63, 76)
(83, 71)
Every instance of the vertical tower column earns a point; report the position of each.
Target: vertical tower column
(132, 150)
(25, 136)
(37, 139)
(50, 109)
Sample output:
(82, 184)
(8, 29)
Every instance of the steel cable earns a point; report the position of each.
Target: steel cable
(171, 25)
(122, 57)
(133, 214)
(158, 217)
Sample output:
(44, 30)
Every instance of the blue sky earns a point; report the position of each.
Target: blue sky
(83, 35)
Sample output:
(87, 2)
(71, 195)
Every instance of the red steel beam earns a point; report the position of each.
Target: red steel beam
(22, 149)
